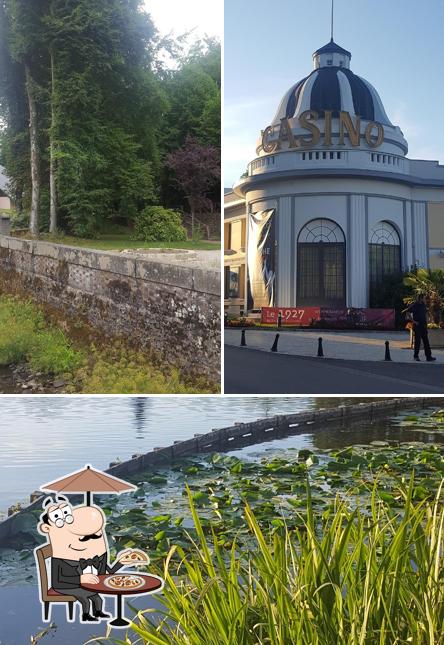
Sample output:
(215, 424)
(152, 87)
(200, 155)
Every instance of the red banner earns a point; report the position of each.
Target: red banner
(325, 316)
(302, 316)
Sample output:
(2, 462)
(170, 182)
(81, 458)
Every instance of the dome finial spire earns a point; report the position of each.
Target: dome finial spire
(332, 14)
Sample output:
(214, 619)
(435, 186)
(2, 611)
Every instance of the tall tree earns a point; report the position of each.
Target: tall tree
(197, 171)
(107, 104)
(193, 93)
(14, 135)
(26, 36)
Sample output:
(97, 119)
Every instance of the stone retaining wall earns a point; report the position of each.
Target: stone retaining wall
(246, 434)
(170, 309)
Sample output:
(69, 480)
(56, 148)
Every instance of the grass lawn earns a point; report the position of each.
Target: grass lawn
(121, 240)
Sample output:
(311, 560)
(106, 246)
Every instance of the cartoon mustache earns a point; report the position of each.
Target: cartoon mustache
(85, 538)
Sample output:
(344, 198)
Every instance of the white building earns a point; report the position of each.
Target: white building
(331, 205)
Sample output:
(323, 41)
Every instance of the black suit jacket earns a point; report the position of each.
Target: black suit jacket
(65, 574)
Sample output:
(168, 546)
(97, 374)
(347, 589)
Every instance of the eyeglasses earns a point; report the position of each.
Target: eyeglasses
(60, 515)
(60, 521)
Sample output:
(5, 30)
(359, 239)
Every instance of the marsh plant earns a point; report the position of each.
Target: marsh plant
(351, 576)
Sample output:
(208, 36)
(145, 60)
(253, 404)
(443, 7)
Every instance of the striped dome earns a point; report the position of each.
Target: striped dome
(333, 88)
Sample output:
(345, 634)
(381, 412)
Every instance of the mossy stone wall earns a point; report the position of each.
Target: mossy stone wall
(171, 310)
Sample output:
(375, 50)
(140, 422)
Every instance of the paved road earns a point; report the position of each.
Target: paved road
(250, 371)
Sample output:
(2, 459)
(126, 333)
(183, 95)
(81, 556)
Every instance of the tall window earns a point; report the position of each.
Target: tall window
(321, 264)
(384, 255)
(234, 235)
(234, 281)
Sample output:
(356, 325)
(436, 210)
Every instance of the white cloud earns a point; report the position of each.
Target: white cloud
(180, 16)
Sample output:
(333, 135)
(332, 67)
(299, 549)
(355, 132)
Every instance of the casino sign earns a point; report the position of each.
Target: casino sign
(309, 120)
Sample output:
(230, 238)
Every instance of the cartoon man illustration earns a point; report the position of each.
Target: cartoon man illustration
(79, 552)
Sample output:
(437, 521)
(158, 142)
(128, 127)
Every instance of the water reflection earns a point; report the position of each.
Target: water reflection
(42, 438)
(140, 406)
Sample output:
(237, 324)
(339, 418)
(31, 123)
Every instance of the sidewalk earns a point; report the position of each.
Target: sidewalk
(361, 345)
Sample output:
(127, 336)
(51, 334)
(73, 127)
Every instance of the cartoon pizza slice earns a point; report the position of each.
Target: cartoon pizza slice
(136, 557)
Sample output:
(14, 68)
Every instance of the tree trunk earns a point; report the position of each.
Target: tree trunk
(52, 161)
(35, 179)
(192, 223)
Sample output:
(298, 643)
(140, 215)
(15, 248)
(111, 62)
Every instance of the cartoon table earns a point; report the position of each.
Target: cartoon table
(151, 584)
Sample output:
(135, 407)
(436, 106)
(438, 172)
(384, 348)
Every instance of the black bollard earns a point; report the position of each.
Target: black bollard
(243, 341)
(387, 351)
(274, 347)
(279, 320)
(320, 350)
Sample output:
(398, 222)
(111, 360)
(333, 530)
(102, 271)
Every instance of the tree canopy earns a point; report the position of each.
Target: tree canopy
(89, 113)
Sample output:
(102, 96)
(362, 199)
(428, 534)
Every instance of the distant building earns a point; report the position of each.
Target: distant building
(331, 206)
(5, 201)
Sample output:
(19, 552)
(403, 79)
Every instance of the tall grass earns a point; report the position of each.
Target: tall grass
(351, 577)
(25, 337)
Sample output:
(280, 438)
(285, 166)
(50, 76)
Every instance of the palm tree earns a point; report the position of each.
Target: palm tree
(430, 282)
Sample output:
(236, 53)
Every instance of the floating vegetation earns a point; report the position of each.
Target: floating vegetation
(156, 516)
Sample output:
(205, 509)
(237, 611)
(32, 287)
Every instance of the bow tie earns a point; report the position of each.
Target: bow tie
(89, 562)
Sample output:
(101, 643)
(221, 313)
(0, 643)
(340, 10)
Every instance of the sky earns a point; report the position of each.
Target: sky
(179, 16)
(397, 45)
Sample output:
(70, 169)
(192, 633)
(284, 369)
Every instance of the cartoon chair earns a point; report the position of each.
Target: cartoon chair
(47, 594)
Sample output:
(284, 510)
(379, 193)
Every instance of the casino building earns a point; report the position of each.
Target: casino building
(331, 205)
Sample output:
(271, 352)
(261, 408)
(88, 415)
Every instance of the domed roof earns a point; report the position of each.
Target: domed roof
(333, 86)
(331, 48)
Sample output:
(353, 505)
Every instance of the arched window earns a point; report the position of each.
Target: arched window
(321, 264)
(384, 254)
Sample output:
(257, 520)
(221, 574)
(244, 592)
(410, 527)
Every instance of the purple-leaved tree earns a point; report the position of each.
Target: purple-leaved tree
(197, 171)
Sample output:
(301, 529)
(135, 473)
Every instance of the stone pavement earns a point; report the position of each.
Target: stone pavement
(355, 345)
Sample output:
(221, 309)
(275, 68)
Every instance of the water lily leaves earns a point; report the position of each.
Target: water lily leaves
(160, 518)
(157, 479)
(200, 498)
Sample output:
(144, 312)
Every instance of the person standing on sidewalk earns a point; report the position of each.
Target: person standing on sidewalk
(419, 317)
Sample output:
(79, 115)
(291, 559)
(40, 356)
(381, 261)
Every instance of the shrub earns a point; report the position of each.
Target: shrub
(158, 224)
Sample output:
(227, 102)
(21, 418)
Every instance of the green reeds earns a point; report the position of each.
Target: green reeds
(350, 576)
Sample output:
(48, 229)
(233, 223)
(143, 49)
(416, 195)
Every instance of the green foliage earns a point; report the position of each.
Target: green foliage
(25, 337)
(51, 353)
(197, 232)
(118, 370)
(125, 240)
(103, 111)
(430, 282)
(19, 323)
(348, 577)
(193, 97)
(156, 223)
(391, 293)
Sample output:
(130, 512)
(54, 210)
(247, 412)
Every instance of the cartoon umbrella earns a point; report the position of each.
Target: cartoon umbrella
(88, 480)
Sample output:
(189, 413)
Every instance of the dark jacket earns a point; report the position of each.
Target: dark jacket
(419, 313)
(65, 574)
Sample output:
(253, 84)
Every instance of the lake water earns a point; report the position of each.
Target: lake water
(42, 438)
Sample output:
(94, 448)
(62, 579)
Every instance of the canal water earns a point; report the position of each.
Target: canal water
(43, 438)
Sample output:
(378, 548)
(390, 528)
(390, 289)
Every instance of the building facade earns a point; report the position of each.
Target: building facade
(331, 206)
